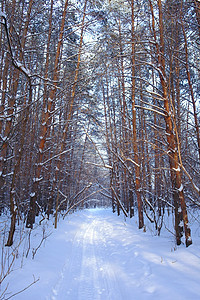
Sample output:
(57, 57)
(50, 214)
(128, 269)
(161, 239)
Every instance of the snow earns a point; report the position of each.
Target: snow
(177, 170)
(2, 14)
(4, 138)
(181, 188)
(36, 179)
(96, 255)
(23, 69)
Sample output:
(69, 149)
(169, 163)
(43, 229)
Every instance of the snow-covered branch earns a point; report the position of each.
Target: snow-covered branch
(120, 203)
(100, 166)
(151, 109)
(18, 65)
(57, 155)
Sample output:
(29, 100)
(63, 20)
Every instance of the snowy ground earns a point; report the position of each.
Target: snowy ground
(96, 255)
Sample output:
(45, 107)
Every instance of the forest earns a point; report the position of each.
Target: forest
(99, 106)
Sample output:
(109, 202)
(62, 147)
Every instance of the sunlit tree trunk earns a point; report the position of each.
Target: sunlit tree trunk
(18, 69)
(134, 124)
(172, 148)
(45, 123)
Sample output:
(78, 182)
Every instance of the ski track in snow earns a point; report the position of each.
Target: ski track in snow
(94, 277)
(94, 269)
(96, 255)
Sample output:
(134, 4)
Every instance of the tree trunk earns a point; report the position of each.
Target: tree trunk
(70, 113)
(197, 10)
(196, 122)
(172, 148)
(135, 147)
(45, 123)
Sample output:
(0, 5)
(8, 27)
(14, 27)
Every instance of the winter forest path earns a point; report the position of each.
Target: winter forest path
(96, 255)
(111, 260)
(97, 268)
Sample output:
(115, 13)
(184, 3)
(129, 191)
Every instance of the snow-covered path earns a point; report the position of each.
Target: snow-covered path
(90, 273)
(97, 269)
(95, 255)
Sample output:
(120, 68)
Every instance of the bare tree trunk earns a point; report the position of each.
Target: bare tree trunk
(2, 106)
(13, 203)
(45, 123)
(18, 70)
(135, 147)
(197, 10)
(124, 185)
(177, 187)
(70, 113)
(172, 148)
(196, 122)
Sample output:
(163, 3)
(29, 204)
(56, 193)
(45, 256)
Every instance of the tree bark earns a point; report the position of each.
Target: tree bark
(172, 148)
(134, 124)
(44, 126)
(70, 113)
(196, 122)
